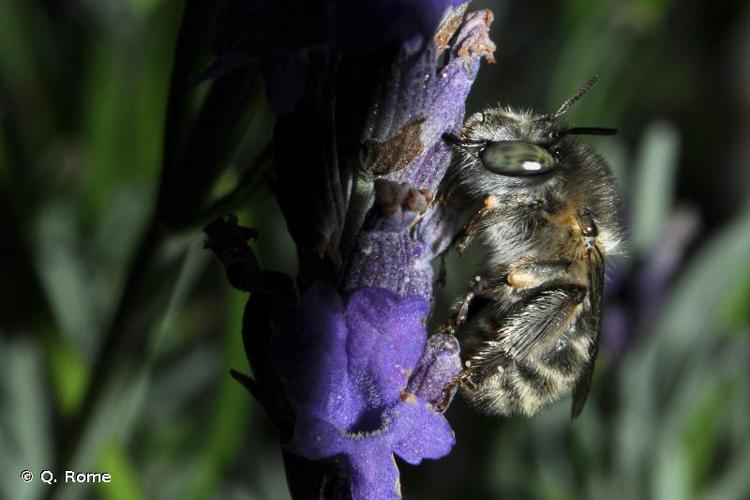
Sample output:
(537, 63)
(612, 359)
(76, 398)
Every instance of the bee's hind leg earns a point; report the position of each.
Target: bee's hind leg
(448, 391)
(465, 379)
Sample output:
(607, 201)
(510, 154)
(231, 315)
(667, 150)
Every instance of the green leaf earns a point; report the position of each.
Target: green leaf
(655, 170)
(17, 63)
(705, 423)
(25, 426)
(63, 274)
(675, 368)
(213, 140)
(126, 484)
(68, 374)
(693, 312)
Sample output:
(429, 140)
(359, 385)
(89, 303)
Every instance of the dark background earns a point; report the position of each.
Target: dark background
(83, 91)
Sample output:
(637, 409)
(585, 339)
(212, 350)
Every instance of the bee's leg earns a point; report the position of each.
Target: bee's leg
(467, 379)
(480, 287)
(460, 313)
(527, 274)
(536, 343)
(448, 391)
(451, 387)
(475, 225)
(442, 273)
(520, 275)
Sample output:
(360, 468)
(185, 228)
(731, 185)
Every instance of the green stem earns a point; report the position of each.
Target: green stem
(250, 180)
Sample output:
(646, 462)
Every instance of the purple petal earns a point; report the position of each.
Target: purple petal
(369, 457)
(412, 91)
(387, 336)
(374, 475)
(310, 354)
(364, 26)
(346, 364)
(315, 438)
(385, 254)
(444, 107)
(438, 227)
(400, 94)
(390, 260)
(420, 432)
(281, 34)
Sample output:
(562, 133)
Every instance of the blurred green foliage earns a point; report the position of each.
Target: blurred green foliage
(84, 87)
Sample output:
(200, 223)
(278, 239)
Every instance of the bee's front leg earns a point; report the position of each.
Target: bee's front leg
(476, 224)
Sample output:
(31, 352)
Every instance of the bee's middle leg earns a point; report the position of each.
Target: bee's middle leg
(480, 287)
(531, 273)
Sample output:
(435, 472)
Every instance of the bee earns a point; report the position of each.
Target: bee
(545, 212)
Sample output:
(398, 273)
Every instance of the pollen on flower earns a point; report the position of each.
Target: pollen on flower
(408, 397)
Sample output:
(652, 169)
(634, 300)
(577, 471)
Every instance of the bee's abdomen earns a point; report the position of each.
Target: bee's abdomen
(529, 385)
(566, 361)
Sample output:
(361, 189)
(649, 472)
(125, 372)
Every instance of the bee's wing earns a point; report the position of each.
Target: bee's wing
(596, 286)
(529, 326)
(535, 323)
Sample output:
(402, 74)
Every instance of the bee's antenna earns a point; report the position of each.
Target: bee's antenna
(452, 139)
(581, 92)
(589, 131)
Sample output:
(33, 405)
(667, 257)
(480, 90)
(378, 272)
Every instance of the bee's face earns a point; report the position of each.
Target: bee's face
(504, 124)
(504, 150)
(521, 158)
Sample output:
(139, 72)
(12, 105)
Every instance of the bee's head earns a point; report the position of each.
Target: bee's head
(520, 144)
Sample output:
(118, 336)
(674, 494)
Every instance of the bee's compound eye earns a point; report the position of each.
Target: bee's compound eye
(517, 158)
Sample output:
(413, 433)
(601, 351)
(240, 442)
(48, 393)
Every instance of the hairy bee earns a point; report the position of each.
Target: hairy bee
(545, 212)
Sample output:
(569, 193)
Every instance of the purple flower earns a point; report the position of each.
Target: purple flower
(412, 104)
(386, 255)
(363, 93)
(289, 37)
(365, 388)
(421, 93)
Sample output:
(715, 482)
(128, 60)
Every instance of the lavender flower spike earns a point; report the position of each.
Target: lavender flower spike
(366, 388)
(416, 103)
(340, 358)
